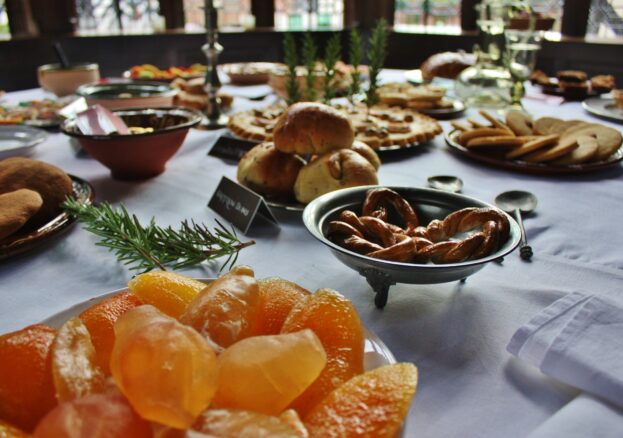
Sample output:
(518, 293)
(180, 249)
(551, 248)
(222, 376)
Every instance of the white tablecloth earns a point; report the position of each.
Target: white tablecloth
(455, 333)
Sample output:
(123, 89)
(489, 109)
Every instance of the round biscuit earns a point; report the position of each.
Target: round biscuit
(532, 146)
(496, 140)
(587, 148)
(520, 122)
(563, 147)
(544, 124)
(16, 208)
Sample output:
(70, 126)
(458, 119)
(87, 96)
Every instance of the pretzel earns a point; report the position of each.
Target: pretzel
(463, 250)
(339, 227)
(378, 230)
(403, 251)
(491, 232)
(359, 245)
(352, 219)
(376, 198)
(435, 230)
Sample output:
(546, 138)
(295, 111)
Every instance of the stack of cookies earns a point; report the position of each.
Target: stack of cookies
(31, 193)
(547, 140)
(313, 152)
(422, 97)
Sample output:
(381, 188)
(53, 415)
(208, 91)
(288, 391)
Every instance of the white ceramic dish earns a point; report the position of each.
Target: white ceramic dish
(18, 140)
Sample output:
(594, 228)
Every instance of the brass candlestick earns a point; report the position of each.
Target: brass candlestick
(214, 119)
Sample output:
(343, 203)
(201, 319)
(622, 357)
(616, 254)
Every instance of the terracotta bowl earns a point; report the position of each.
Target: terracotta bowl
(139, 156)
(128, 94)
(65, 81)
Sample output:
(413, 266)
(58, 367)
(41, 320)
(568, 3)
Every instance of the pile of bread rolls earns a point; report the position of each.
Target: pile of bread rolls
(313, 152)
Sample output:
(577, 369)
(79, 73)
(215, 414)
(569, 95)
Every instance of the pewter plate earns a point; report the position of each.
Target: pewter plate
(18, 140)
(603, 107)
(429, 204)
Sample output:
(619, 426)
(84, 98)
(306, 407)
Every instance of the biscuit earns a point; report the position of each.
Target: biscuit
(495, 122)
(519, 122)
(544, 124)
(608, 139)
(466, 136)
(560, 128)
(563, 147)
(496, 140)
(16, 208)
(533, 145)
(587, 148)
(49, 181)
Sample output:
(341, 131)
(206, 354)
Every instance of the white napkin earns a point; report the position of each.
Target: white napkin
(577, 340)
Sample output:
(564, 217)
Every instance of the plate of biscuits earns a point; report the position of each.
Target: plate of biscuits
(427, 99)
(573, 84)
(545, 145)
(31, 194)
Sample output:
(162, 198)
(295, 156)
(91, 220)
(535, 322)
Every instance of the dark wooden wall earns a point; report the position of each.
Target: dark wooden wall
(19, 58)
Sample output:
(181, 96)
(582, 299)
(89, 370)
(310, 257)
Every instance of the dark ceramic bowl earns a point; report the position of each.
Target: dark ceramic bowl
(139, 156)
(381, 274)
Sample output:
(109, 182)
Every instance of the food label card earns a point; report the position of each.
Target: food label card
(231, 148)
(239, 205)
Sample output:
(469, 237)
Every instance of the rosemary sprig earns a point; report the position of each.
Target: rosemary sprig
(376, 54)
(143, 248)
(291, 60)
(309, 60)
(331, 56)
(354, 59)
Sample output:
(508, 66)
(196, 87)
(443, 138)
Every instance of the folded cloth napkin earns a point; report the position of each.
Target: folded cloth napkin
(584, 416)
(577, 340)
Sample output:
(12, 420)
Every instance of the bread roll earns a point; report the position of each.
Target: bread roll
(16, 208)
(333, 171)
(49, 181)
(268, 171)
(312, 128)
(367, 152)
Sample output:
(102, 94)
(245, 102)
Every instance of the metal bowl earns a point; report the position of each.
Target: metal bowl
(381, 274)
(127, 94)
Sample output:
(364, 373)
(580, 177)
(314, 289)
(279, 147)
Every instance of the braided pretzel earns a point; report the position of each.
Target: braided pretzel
(339, 227)
(403, 251)
(359, 245)
(378, 230)
(376, 198)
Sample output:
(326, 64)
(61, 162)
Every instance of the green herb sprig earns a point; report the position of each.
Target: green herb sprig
(331, 56)
(144, 248)
(291, 59)
(376, 54)
(354, 58)
(309, 60)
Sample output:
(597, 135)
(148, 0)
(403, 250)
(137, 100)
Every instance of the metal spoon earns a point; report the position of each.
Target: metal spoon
(517, 202)
(447, 183)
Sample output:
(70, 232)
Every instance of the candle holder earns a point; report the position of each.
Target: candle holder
(213, 117)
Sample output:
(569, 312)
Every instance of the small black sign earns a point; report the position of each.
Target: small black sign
(231, 148)
(238, 204)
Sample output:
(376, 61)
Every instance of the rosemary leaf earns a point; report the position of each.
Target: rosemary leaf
(376, 54)
(331, 56)
(309, 60)
(355, 55)
(291, 60)
(144, 248)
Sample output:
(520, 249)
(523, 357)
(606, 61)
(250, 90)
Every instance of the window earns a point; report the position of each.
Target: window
(4, 21)
(444, 15)
(606, 18)
(309, 14)
(231, 13)
(123, 15)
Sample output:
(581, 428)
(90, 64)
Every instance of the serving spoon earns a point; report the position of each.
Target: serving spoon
(447, 183)
(516, 202)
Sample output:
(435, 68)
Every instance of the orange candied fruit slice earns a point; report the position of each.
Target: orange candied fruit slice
(166, 369)
(265, 373)
(372, 404)
(9, 431)
(94, 416)
(168, 291)
(99, 320)
(276, 299)
(26, 387)
(225, 311)
(235, 423)
(75, 370)
(336, 322)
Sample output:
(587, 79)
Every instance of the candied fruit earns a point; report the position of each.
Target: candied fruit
(335, 321)
(9, 431)
(239, 423)
(166, 369)
(105, 415)
(277, 296)
(168, 291)
(75, 369)
(224, 312)
(99, 320)
(265, 373)
(26, 386)
(373, 404)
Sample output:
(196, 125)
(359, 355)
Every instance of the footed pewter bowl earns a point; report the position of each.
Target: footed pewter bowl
(381, 274)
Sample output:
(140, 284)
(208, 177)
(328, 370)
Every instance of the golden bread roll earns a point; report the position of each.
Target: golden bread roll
(49, 181)
(268, 171)
(312, 128)
(367, 152)
(333, 171)
(16, 208)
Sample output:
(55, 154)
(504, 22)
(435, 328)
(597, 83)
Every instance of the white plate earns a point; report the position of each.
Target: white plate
(19, 140)
(376, 353)
(603, 107)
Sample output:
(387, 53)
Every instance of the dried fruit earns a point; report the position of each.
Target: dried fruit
(237, 423)
(265, 373)
(165, 369)
(9, 431)
(277, 296)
